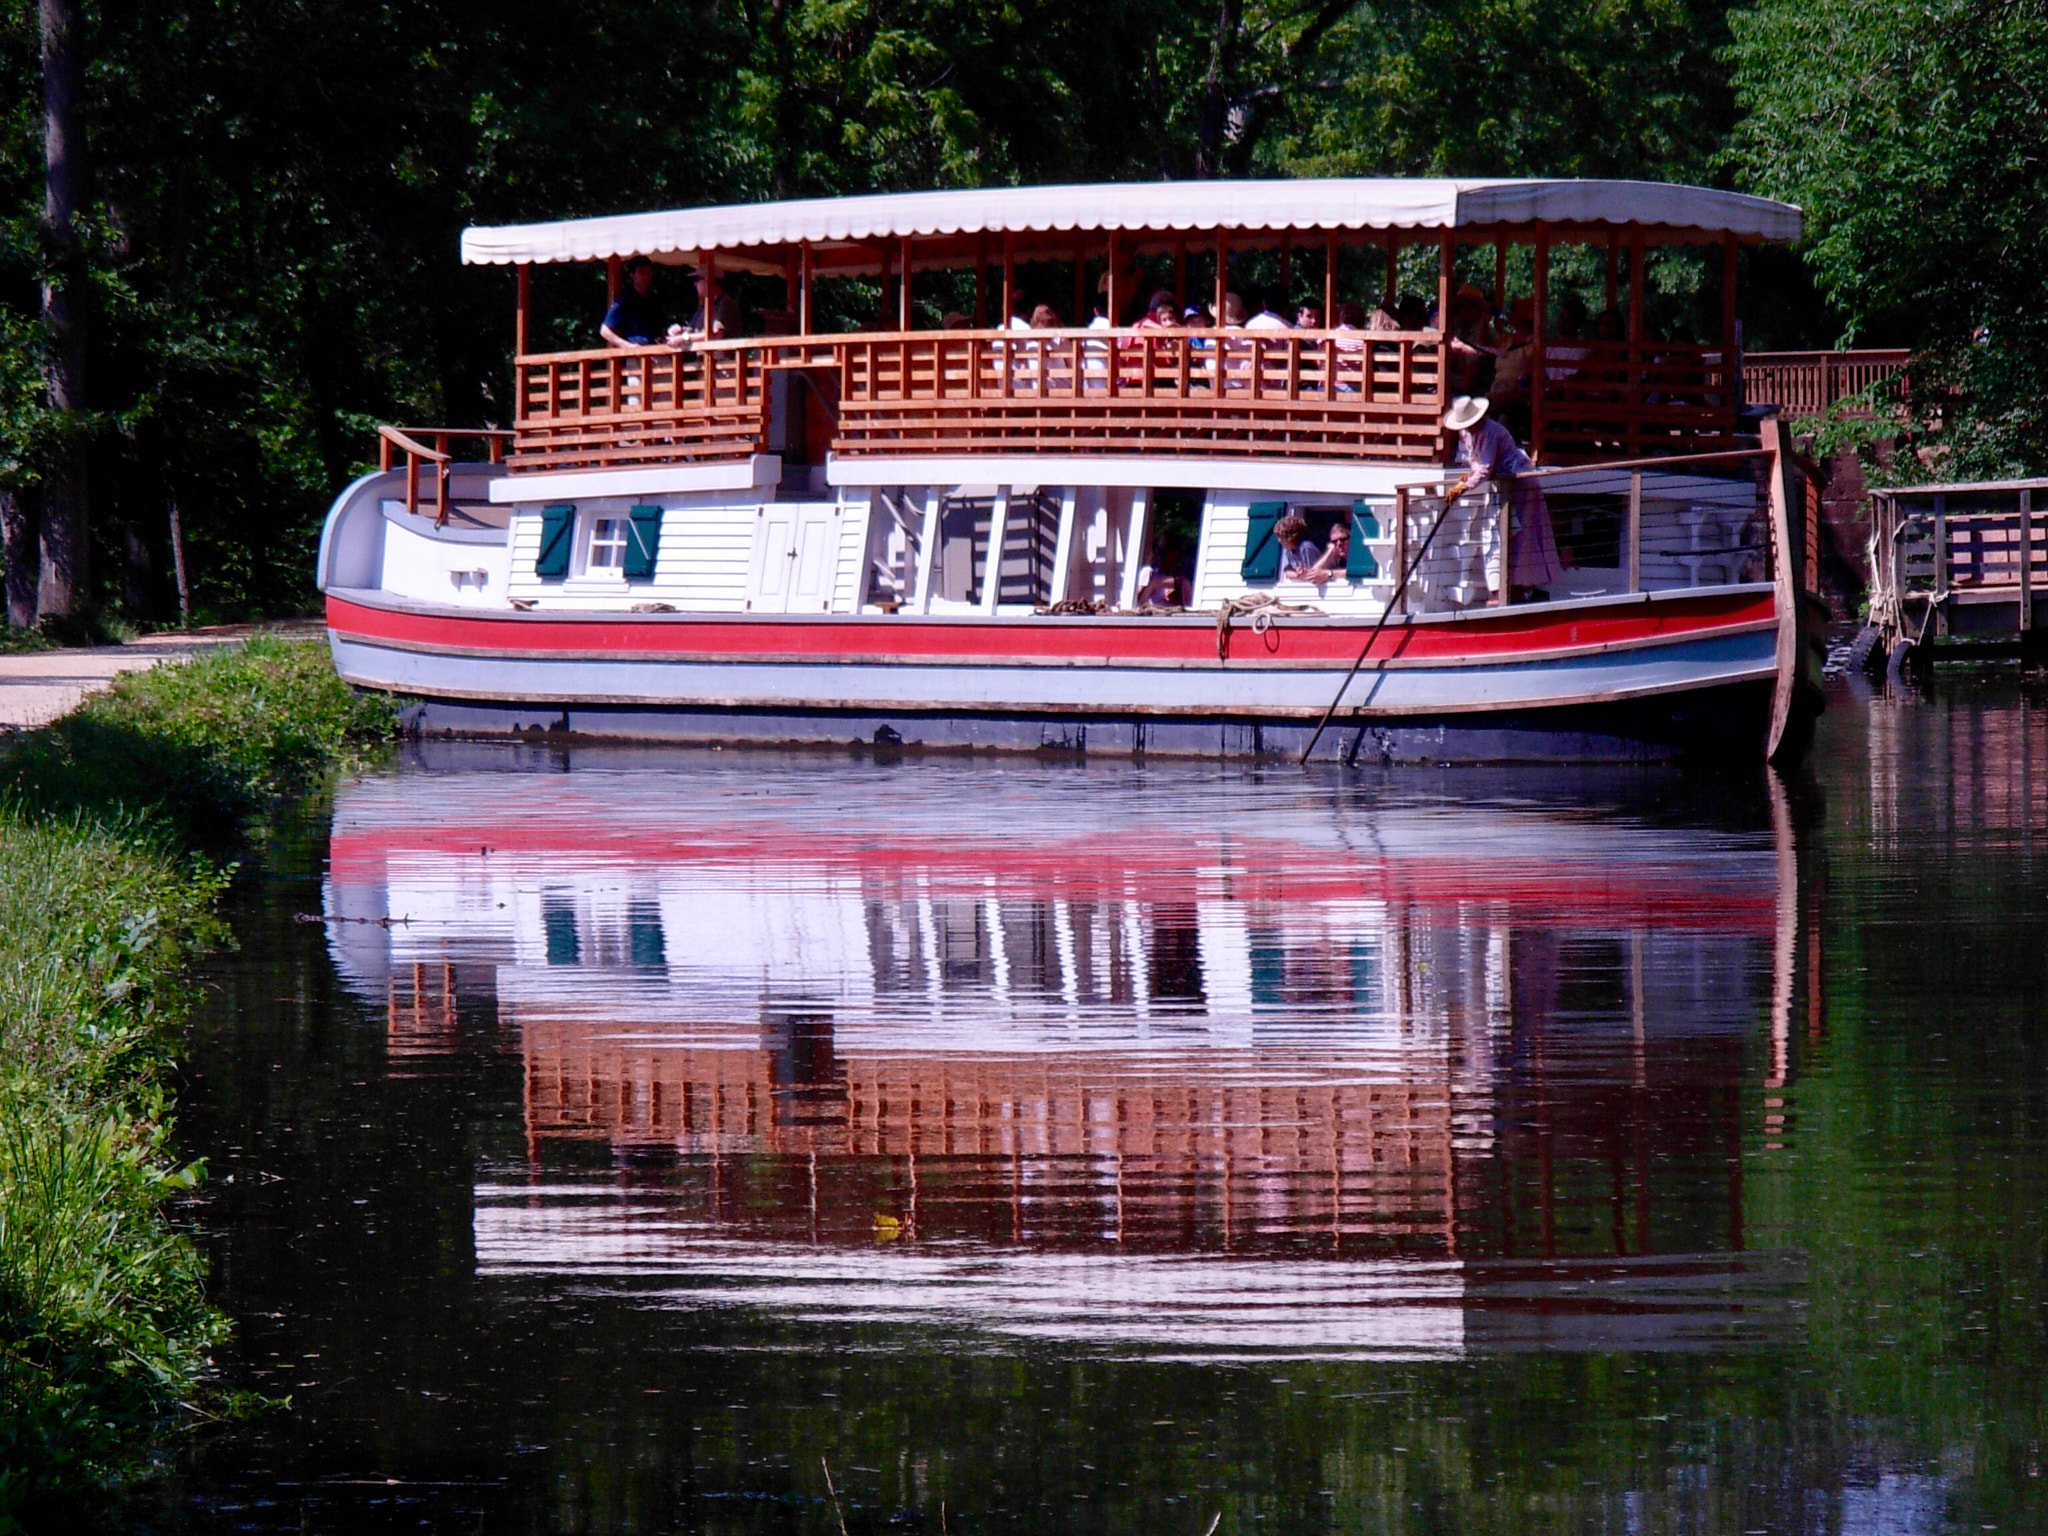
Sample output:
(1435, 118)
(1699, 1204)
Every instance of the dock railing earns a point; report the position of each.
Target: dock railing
(1957, 560)
(1809, 384)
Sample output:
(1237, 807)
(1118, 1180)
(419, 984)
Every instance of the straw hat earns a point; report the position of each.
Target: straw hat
(1466, 411)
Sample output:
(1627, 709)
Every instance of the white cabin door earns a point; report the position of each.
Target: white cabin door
(796, 556)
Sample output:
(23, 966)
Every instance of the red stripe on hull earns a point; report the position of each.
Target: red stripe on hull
(1503, 635)
(1699, 897)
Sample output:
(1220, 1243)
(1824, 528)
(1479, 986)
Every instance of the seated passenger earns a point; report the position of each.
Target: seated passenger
(1331, 562)
(1266, 320)
(1159, 313)
(1308, 317)
(634, 318)
(1298, 552)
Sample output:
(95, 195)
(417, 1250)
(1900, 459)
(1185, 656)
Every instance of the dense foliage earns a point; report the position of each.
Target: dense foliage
(104, 1326)
(1914, 137)
(276, 190)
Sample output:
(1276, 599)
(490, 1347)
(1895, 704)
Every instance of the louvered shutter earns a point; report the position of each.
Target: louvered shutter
(643, 543)
(1261, 549)
(557, 534)
(1359, 564)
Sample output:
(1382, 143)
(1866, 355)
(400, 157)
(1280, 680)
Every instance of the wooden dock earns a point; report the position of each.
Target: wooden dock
(1960, 565)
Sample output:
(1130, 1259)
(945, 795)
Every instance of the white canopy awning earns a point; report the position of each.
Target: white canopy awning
(1161, 208)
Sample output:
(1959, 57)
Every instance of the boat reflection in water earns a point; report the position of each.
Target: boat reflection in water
(1181, 1061)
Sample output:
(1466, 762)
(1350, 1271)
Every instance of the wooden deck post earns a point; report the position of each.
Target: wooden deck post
(1329, 285)
(1222, 287)
(1539, 343)
(1940, 565)
(2026, 561)
(1446, 277)
(903, 301)
(522, 313)
(1400, 595)
(1114, 293)
(1506, 513)
(803, 322)
(613, 269)
(981, 282)
(1634, 551)
(1731, 367)
(1636, 278)
(1009, 282)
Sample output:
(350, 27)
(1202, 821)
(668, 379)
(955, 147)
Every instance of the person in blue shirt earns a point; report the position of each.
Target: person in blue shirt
(634, 319)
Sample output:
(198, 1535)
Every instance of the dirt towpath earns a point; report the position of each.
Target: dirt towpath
(37, 687)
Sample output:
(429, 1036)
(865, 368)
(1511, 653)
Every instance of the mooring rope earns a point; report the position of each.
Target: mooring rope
(1262, 608)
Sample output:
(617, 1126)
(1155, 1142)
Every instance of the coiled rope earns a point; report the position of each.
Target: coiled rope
(1262, 608)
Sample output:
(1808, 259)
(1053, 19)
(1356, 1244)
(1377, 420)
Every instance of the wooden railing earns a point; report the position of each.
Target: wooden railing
(1297, 395)
(647, 405)
(1808, 383)
(1300, 395)
(1609, 400)
(406, 440)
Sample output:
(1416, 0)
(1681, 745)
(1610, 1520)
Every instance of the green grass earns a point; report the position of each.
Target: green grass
(104, 1325)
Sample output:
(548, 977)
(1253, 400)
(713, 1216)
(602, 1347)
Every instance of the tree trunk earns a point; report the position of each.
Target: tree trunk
(65, 526)
(1213, 125)
(18, 529)
(178, 566)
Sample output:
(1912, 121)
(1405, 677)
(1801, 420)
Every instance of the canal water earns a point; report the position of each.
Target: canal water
(648, 1141)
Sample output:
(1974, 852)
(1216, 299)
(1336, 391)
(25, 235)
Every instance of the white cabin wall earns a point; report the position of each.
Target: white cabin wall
(429, 570)
(700, 566)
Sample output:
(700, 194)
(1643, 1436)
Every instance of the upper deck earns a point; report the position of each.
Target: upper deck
(979, 389)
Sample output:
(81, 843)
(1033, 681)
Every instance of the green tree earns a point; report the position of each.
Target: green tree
(1913, 136)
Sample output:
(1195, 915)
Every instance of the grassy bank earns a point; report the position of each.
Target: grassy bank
(114, 824)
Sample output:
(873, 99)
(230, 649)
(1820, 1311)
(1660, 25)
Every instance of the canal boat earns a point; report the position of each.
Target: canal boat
(945, 529)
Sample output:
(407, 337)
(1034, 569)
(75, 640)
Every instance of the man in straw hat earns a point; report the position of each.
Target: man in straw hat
(1488, 451)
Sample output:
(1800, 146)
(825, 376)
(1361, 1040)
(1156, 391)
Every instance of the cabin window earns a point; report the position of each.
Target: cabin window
(607, 544)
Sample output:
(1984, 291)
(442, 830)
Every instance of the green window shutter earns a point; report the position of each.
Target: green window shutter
(1359, 564)
(557, 533)
(643, 542)
(1261, 549)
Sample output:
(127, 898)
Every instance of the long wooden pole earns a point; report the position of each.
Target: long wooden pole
(1329, 279)
(805, 275)
(1009, 278)
(522, 312)
(1399, 594)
